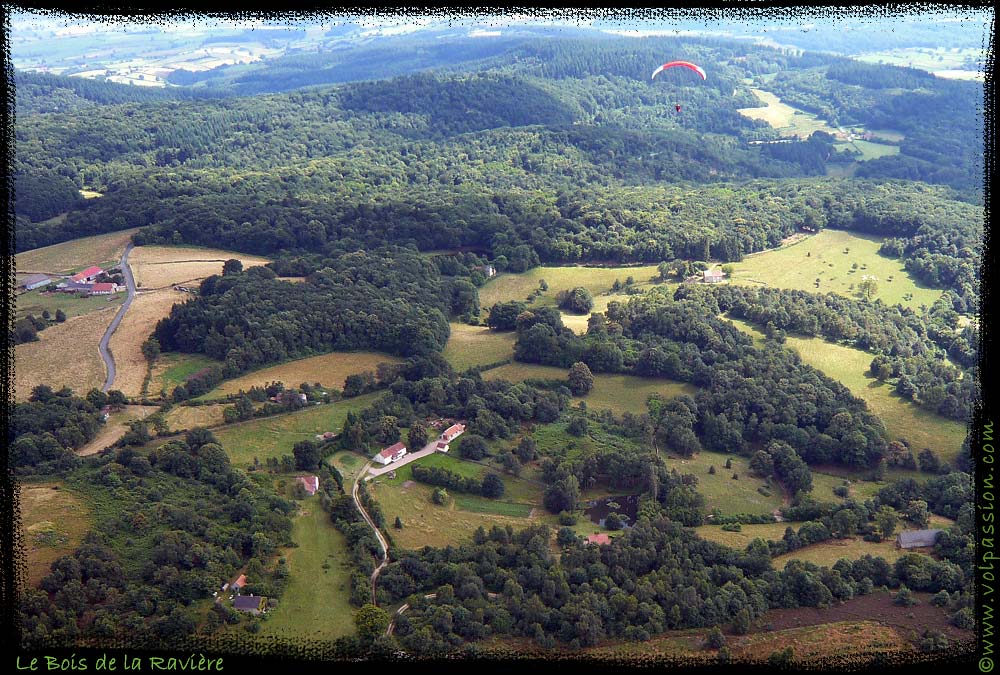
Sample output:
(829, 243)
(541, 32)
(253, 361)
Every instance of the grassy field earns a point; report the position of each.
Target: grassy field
(720, 490)
(135, 328)
(935, 59)
(845, 639)
(902, 418)
(829, 552)
(160, 266)
(330, 370)
(740, 540)
(823, 484)
(71, 255)
(785, 118)
(191, 416)
(115, 428)
(428, 524)
(173, 368)
(275, 436)
(822, 256)
(35, 302)
(54, 521)
(65, 354)
(872, 150)
(315, 604)
(470, 346)
(617, 393)
(597, 280)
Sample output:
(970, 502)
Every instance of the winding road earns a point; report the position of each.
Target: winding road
(109, 360)
(364, 514)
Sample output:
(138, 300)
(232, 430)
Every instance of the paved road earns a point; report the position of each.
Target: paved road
(364, 514)
(428, 449)
(109, 361)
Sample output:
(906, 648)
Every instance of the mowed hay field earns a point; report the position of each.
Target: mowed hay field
(822, 256)
(315, 604)
(617, 393)
(115, 428)
(828, 552)
(135, 328)
(470, 346)
(191, 416)
(76, 254)
(160, 266)
(902, 418)
(65, 354)
(784, 117)
(54, 521)
(330, 370)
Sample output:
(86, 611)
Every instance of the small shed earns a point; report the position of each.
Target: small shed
(599, 539)
(714, 276)
(917, 538)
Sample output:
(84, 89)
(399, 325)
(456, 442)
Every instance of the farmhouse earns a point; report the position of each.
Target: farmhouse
(87, 275)
(74, 287)
(240, 582)
(599, 539)
(917, 538)
(249, 603)
(452, 432)
(33, 281)
(311, 483)
(391, 454)
(104, 289)
(713, 276)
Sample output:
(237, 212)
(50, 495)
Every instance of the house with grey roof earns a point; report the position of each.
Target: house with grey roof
(33, 281)
(917, 538)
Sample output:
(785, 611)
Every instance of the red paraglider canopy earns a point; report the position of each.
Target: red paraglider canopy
(683, 64)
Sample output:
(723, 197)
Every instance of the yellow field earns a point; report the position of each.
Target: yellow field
(191, 416)
(902, 419)
(784, 117)
(160, 266)
(90, 194)
(115, 428)
(66, 354)
(76, 254)
(617, 393)
(136, 326)
(330, 370)
(54, 521)
(829, 552)
(597, 280)
(822, 256)
(470, 346)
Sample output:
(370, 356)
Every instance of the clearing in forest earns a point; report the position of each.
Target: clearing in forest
(174, 368)
(902, 418)
(597, 280)
(330, 370)
(316, 603)
(54, 521)
(190, 416)
(115, 428)
(160, 266)
(721, 490)
(617, 393)
(470, 346)
(274, 436)
(785, 118)
(66, 354)
(76, 254)
(135, 328)
(822, 256)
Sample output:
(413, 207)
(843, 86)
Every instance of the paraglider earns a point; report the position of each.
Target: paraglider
(680, 64)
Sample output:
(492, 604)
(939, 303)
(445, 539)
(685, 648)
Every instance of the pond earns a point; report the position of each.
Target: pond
(625, 505)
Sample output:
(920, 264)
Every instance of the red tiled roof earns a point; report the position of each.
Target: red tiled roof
(311, 483)
(442, 444)
(599, 539)
(97, 288)
(454, 429)
(241, 581)
(89, 272)
(392, 450)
